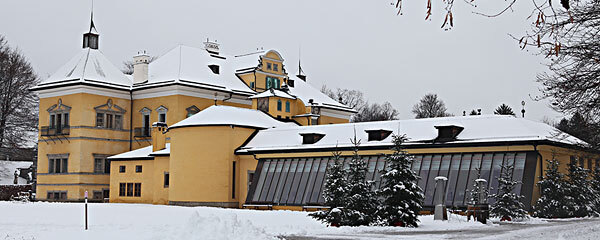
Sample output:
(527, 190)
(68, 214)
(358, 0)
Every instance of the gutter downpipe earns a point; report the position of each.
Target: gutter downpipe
(541, 159)
(130, 118)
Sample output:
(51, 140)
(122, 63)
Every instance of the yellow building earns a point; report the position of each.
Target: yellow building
(90, 110)
(196, 127)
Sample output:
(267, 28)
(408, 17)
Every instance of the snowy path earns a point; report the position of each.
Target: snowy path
(42, 220)
(575, 229)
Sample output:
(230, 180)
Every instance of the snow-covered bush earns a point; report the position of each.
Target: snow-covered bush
(555, 199)
(334, 193)
(508, 204)
(581, 191)
(402, 198)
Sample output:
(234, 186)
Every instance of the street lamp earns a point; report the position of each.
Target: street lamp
(523, 110)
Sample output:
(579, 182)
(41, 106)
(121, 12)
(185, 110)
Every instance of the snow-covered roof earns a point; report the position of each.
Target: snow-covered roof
(305, 92)
(88, 66)
(477, 129)
(273, 93)
(227, 115)
(190, 65)
(142, 153)
(245, 62)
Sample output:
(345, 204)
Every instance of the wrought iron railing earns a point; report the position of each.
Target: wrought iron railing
(48, 131)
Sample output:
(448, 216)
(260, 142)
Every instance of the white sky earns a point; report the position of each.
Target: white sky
(345, 43)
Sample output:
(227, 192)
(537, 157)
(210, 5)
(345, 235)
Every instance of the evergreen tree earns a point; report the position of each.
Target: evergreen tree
(476, 190)
(508, 204)
(580, 190)
(334, 193)
(504, 109)
(361, 201)
(554, 199)
(402, 198)
(596, 188)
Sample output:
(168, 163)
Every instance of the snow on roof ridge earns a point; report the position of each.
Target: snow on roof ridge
(229, 115)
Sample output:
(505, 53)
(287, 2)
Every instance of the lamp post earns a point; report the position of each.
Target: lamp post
(523, 110)
(86, 212)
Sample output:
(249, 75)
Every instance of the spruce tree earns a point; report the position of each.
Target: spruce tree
(334, 193)
(554, 200)
(361, 201)
(402, 198)
(508, 204)
(580, 190)
(596, 187)
(477, 191)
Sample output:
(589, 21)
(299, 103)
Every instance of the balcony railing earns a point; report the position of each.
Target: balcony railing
(141, 132)
(48, 131)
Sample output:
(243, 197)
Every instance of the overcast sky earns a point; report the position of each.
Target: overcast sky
(355, 44)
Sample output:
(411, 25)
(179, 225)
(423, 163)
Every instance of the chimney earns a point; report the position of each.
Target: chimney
(140, 67)
(159, 136)
(211, 47)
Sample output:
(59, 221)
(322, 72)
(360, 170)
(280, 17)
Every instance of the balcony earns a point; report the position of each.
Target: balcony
(141, 132)
(48, 131)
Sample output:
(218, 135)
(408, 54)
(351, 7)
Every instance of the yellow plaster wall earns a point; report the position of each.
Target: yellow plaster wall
(161, 193)
(201, 163)
(146, 177)
(245, 163)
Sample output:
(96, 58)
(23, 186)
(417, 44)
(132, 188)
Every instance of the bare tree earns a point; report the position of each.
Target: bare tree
(128, 65)
(18, 105)
(504, 109)
(429, 107)
(375, 112)
(365, 112)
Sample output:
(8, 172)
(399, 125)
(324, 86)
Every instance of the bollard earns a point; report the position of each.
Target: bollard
(440, 212)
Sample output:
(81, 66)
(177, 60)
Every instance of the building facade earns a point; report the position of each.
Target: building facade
(196, 127)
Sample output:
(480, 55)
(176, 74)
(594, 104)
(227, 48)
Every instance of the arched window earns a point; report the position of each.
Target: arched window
(278, 105)
(287, 106)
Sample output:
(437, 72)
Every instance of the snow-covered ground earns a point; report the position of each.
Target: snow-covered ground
(42, 220)
(7, 172)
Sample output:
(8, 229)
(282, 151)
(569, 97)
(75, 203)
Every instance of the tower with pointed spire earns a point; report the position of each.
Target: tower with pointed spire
(90, 39)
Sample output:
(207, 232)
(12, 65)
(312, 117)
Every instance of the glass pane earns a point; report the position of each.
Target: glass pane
(473, 174)
(435, 167)
(50, 165)
(424, 173)
(265, 191)
(310, 187)
(452, 177)
(518, 171)
(378, 169)
(316, 195)
(289, 180)
(296, 182)
(445, 165)
(416, 164)
(303, 181)
(275, 181)
(282, 180)
(461, 183)
(486, 166)
(496, 167)
(371, 164)
(261, 180)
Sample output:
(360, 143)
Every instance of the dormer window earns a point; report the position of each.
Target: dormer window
(311, 138)
(214, 68)
(378, 134)
(448, 133)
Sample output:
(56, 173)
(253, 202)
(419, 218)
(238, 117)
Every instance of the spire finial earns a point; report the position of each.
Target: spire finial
(92, 26)
(90, 39)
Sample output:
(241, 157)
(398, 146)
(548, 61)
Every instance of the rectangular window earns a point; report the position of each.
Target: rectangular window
(138, 190)
(52, 121)
(252, 85)
(106, 166)
(50, 195)
(98, 165)
(278, 105)
(118, 122)
(162, 117)
(97, 195)
(121, 169)
(64, 166)
(129, 189)
(287, 106)
(109, 121)
(138, 168)
(50, 165)
(63, 195)
(233, 181)
(122, 189)
(268, 66)
(275, 67)
(166, 180)
(99, 119)
(65, 119)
